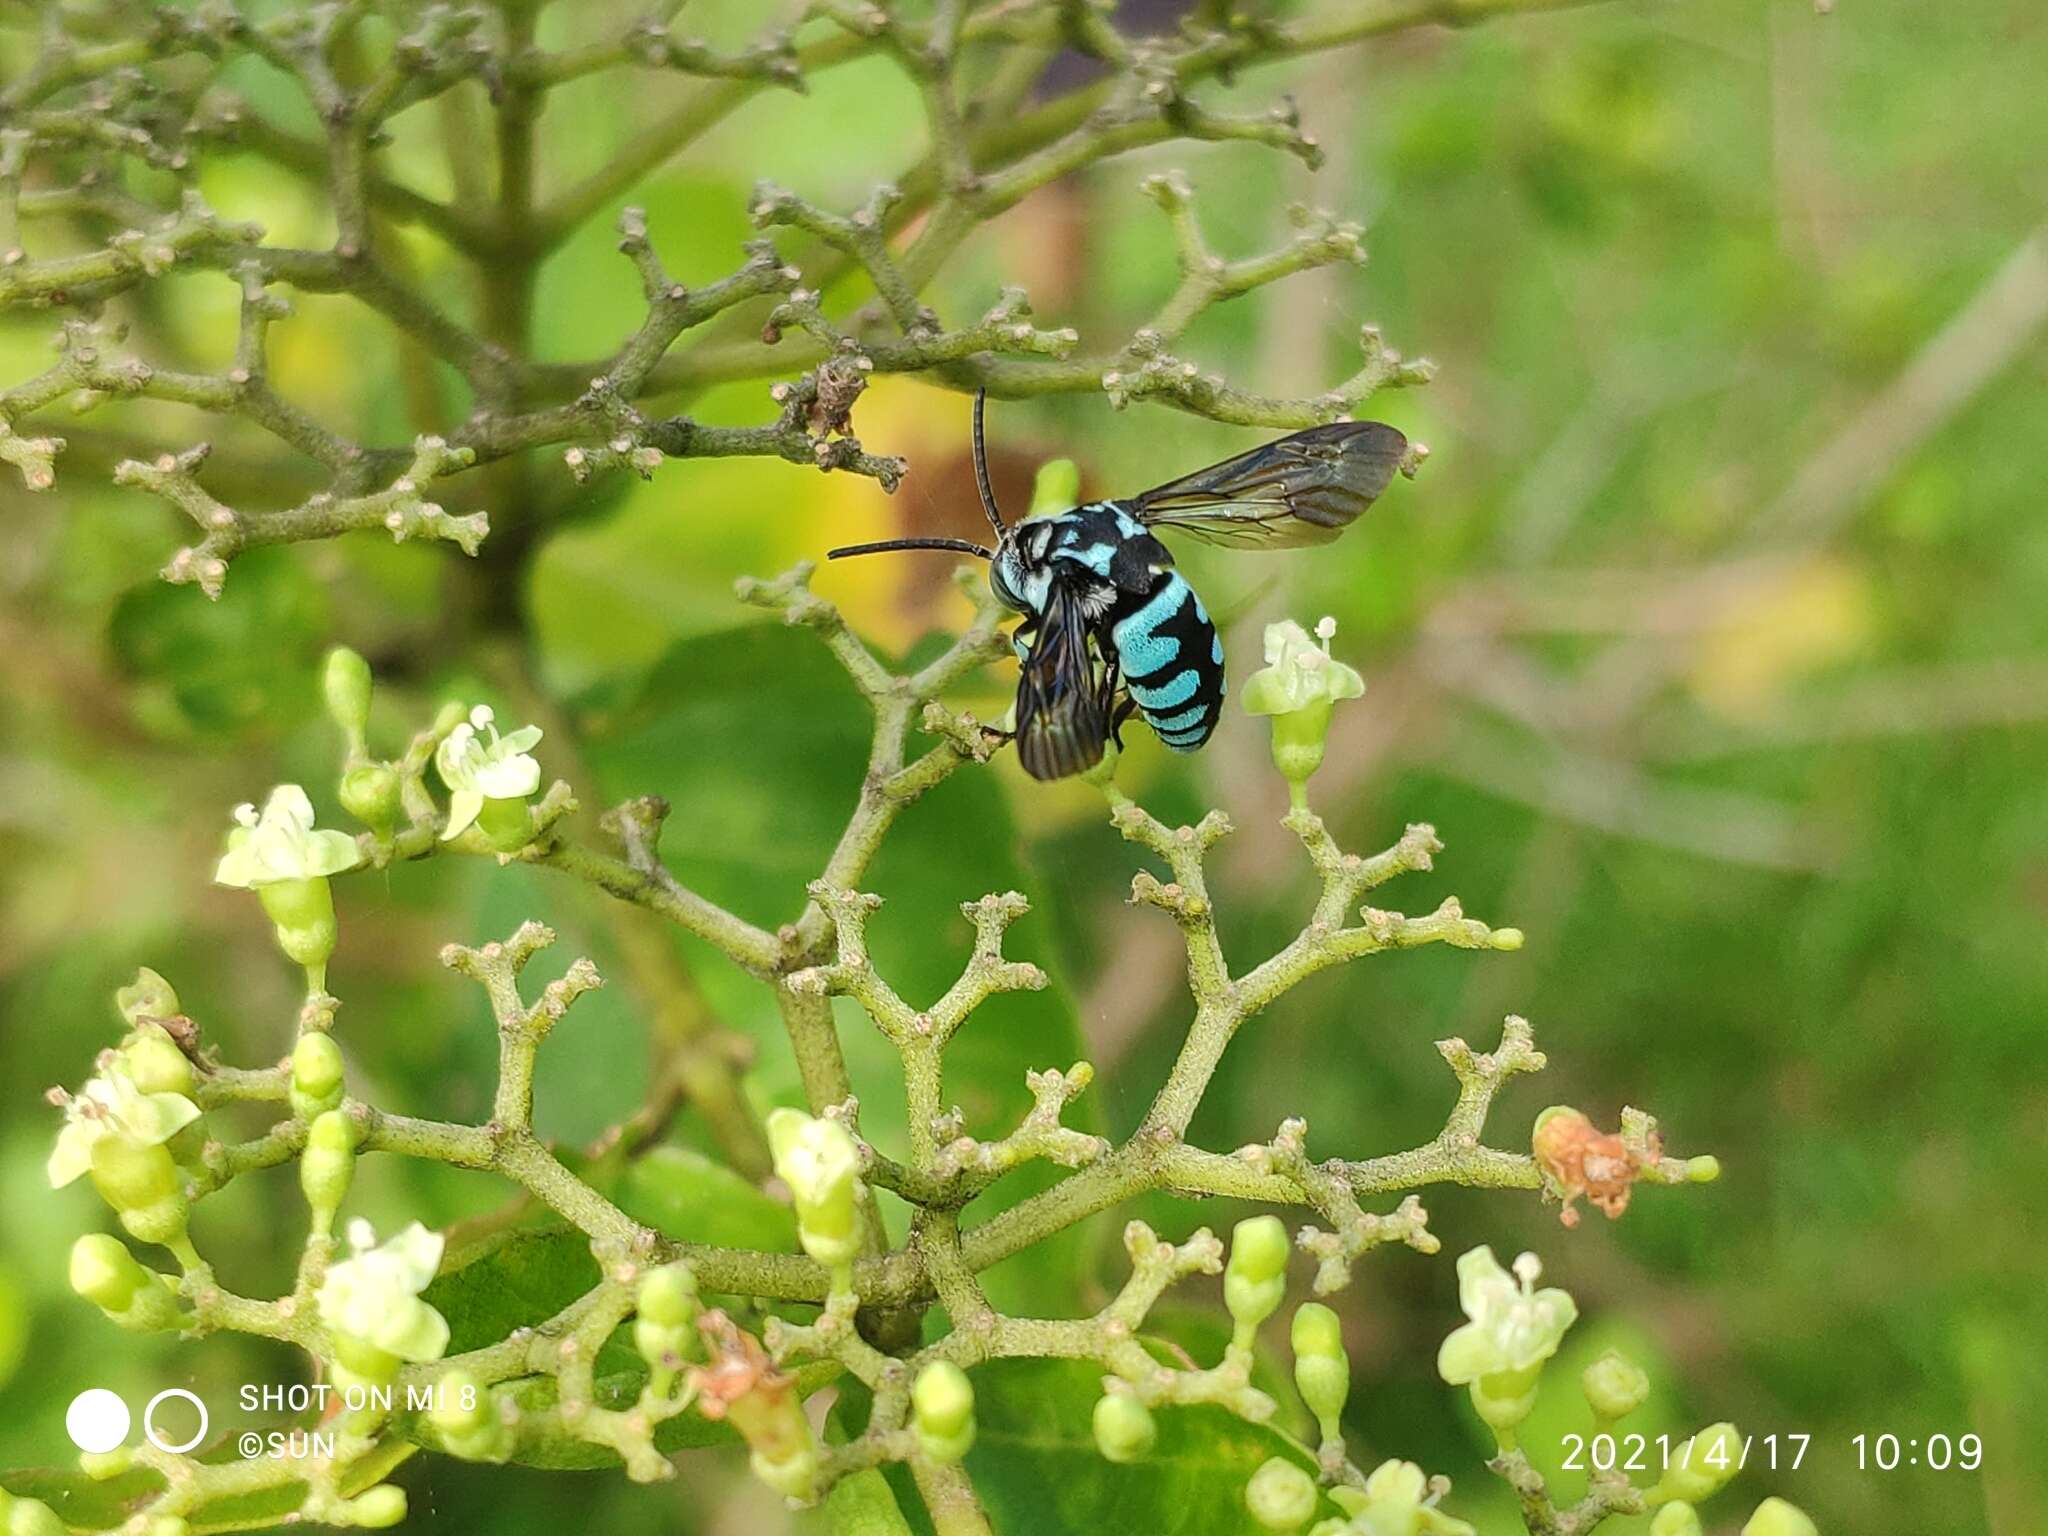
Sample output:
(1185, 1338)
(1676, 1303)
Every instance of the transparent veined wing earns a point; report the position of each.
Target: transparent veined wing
(1305, 488)
(1062, 706)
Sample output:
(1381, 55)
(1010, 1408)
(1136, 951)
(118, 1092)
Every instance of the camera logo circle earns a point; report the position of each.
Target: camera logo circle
(97, 1420)
(149, 1428)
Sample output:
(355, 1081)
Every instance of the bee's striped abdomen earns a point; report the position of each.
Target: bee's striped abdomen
(1172, 661)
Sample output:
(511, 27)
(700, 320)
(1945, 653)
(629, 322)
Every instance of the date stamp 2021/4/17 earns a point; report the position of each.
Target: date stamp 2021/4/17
(1883, 1452)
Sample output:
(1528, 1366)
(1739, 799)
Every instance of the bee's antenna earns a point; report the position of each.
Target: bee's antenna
(958, 546)
(988, 495)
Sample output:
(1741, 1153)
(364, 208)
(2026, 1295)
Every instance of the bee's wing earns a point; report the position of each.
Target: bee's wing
(1301, 489)
(1061, 720)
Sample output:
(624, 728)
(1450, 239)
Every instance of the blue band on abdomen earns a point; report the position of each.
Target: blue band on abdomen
(1176, 690)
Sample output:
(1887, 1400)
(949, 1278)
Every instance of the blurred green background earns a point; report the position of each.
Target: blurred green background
(1713, 639)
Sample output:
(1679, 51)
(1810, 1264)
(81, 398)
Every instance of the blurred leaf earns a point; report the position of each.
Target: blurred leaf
(1035, 1464)
(78, 1500)
(520, 1282)
(686, 1196)
(250, 656)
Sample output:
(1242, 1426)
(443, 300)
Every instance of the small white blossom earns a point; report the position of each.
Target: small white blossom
(1513, 1326)
(111, 1104)
(374, 1297)
(1299, 671)
(282, 844)
(476, 769)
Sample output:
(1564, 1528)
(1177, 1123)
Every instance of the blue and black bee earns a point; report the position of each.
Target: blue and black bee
(1110, 627)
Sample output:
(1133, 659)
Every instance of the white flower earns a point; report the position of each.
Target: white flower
(282, 844)
(112, 1105)
(375, 1296)
(476, 770)
(1299, 671)
(1514, 1327)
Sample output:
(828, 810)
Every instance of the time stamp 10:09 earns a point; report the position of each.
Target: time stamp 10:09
(1885, 1452)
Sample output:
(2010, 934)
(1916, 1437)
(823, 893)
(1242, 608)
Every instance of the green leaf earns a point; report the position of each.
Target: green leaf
(1035, 1464)
(250, 657)
(686, 1196)
(861, 1505)
(517, 1283)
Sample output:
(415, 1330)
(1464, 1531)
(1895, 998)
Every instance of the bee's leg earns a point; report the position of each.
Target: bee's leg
(1117, 703)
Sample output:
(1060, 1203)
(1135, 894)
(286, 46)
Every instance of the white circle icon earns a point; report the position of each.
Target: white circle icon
(149, 1421)
(97, 1420)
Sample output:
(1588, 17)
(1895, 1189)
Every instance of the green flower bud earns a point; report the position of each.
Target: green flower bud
(377, 1508)
(302, 912)
(1281, 1496)
(130, 1174)
(1700, 1466)
(154, 1063)
(345, 682)
(465, 1416)
(1703, 1169)
(328, 1164)
(505, 823)
(1775, 1517)
(318, 1075)
(161, 1221)
(1505, 1398)
(1321, 1368)
(1615, 1386)
(461, 1405)
(370, 793)
(794, 1476)
(1255, 1279)
(103, 1465)
(104, 1272)
(1677, 1518)
(819, 1162)
(668, 1295)
(1124, 1431)
(148, 996)
(667, 1301)
(942, 1404)
(28, 1517)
